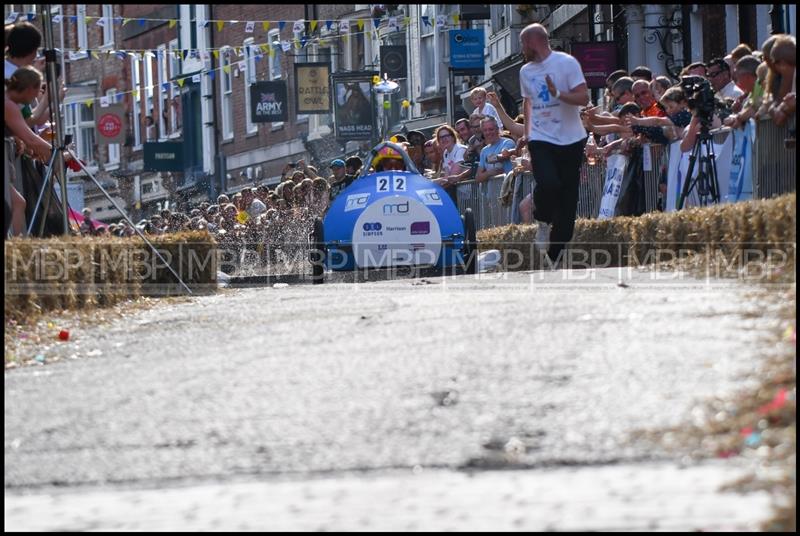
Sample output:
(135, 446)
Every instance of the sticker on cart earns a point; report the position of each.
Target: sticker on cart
(430, 196)
(400, 183)
(395, 231)
(356, 202)
(382, 183)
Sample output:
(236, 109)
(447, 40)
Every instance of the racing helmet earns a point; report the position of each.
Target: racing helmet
(384, 153)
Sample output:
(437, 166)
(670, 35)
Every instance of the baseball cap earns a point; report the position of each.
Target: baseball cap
(337, 163)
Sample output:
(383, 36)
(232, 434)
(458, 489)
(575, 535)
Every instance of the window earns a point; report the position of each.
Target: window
(113, 148)
(83, 36)
(137, 102)
(249, 79)
(274, 61)
(108, 27)
(162, 61)
(275, 71)
(147, 188)
(300, 56)
(174, 97)
(151, 128)
(226, 89)
(79, 121)
(428, 57)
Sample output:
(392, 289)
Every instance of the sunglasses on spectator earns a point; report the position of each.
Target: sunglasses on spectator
(442, 136)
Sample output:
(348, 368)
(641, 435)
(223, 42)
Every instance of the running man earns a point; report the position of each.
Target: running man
(554, 89)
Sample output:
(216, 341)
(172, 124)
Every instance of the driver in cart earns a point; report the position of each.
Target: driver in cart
(388, 159)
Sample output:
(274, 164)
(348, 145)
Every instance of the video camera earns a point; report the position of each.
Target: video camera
(700, 97)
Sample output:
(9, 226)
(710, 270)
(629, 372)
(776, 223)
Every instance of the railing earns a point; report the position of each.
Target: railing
(773, 174)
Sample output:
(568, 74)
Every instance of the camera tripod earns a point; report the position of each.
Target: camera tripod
(706, 181)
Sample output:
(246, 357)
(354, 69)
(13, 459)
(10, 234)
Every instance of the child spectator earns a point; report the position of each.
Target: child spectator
(478, 98)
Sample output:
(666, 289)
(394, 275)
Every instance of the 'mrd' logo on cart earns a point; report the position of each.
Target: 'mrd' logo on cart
(390, 209)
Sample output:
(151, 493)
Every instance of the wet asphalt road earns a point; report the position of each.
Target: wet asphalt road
(525, 371)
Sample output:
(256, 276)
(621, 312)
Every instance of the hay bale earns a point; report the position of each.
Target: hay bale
(84, 272)
(657, 237)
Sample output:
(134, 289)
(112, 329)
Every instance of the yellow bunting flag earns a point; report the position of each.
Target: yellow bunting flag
(89, 103)
(126, 21)
(220, 24)
(360, 24)
(314, 25)
(455, 18)
(95, 55)
(407, 21)
(181, 81)
(172, 23)
(216, 54)
(271, 52)
(135, 93)
(227, 69)
(265, 25)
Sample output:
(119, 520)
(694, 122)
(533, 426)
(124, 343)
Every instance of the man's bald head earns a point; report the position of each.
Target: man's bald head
(532, 31)
(535, 42)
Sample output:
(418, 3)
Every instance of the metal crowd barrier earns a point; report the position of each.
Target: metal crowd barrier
(774, 173)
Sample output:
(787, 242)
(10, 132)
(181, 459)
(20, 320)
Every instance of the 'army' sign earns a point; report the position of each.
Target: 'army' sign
(268, 102)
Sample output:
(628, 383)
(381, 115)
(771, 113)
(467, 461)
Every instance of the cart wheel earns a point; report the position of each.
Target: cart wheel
(470, 242)
(316, 254)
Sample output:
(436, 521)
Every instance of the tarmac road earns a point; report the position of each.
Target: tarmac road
(390, 405)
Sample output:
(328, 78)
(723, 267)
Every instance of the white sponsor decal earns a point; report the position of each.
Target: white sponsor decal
(356, 202)
(430, 196)
(395, 231)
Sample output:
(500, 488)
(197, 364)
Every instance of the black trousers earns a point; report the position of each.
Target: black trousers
(556, 169)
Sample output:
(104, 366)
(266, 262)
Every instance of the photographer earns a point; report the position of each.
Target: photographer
(707, 111)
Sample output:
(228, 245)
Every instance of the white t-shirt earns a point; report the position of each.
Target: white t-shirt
(456, 155)
(730, 91)
(9, 68)
(490, 111)
(553, 120)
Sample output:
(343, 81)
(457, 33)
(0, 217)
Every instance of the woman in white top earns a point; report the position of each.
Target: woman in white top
(478, 98)
(452, 152)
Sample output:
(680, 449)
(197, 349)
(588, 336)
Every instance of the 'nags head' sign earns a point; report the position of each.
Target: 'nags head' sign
(268, 102)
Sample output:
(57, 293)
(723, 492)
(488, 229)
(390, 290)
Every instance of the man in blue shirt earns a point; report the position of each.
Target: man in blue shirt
(492, 161)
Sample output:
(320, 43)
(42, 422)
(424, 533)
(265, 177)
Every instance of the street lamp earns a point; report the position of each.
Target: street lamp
(386, 87)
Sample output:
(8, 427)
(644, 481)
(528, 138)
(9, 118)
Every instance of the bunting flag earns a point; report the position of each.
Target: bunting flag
(141, 22)
(360, 23)
(220, 25)
(344, 26)
(456, 18)
(328, 24)
(31, 17)
(250, 27)
(212, 74)
(88, 102)
(426, 20)
(265, 25)
(314, 25)
(104, 102)
(135, 93)
(56, 19)
(72, 18)
(271, 52)
(299, 26)
(216, 54)
(172, 23)
(181, 81)
(95, 55)
(196, 78)
(376, 22)
(12, 17)
(281, 25)
(226, 69)
(441, 21)
(101, 22)
(165, 86)
(125, 21)
(393, 25)
(286, 46)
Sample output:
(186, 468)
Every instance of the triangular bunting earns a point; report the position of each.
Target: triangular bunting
(360, 23)
(220, 25)
(265, 25)
(281, 25)
(89, 103)
(181, 81)
(172, 23)
(314, 25)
